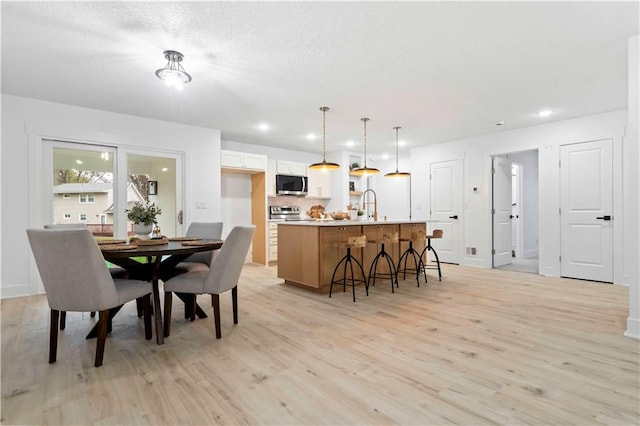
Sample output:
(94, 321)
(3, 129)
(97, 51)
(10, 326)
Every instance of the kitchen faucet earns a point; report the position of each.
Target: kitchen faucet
(375, 203)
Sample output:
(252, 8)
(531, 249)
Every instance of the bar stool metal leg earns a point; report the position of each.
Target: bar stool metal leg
(393, 275)
(417, 261)
(347, 261)
(435, 253)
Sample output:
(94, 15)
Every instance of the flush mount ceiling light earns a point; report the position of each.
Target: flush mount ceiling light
(397, 173)
(173, 74)
(324, 165)
(363, 171)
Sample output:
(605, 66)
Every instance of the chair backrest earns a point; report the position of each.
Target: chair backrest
(66, 226)
(207, 230)
(224, 273)
(418, 236)
(437, 233)
(72, 269)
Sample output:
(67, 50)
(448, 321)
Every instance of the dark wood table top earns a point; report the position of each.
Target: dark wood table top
(172, 248)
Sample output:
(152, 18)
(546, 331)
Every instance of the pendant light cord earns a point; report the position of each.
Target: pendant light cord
(397, 128)
(324, 141)
(365, 141)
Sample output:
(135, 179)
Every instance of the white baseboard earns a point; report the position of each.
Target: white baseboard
(8, 292)
(633, 328)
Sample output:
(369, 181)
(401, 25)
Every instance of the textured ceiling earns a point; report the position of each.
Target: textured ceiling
(441, 70)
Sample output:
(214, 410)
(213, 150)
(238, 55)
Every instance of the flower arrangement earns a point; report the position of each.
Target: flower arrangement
(143, 213)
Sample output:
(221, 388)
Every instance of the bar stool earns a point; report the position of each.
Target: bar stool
(413, 253)
(387, 238)
(437, 233)
(352, 242)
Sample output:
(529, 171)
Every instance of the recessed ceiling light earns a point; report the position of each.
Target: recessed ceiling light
(312, 136)
(263, 126)
(385, 156)
(500, 123)
(545, 113)
(402, 143)
(79, 162)
(164, 169)
(350, 143)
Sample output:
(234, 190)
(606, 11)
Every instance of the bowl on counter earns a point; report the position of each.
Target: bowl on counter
(339, 215)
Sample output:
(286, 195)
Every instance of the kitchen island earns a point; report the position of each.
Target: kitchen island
(308, 252)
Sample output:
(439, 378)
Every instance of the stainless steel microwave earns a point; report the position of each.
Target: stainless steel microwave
(291, 185)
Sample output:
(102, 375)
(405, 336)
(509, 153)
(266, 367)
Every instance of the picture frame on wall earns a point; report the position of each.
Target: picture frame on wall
(152, 187)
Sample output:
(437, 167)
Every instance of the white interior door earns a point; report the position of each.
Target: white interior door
(446, 208)
(586, 203)
(502, 194)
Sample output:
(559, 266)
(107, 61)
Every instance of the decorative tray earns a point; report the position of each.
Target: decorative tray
(110, 241)
(114, 247)
(201, 243)
(184, 238)
(150, 241)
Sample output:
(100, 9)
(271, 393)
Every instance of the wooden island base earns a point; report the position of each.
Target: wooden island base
(308, 252)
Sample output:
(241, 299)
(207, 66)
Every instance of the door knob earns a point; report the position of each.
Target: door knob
(455, 216)
(607, 217)
(180, 217)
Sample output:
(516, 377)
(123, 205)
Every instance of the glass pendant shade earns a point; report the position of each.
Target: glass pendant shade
(397, 173)
(324, 165)
(364, 171)
(173, 74)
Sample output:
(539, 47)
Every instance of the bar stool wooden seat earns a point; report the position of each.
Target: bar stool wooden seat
(387, 238)
(352, 243)
(437, 233)
(412, 253)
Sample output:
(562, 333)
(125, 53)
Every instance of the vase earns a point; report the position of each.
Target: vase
(142, 230)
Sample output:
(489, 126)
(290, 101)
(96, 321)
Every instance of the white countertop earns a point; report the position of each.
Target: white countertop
(349, 222)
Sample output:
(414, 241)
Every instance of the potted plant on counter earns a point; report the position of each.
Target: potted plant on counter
(143, 217)
(361, 217)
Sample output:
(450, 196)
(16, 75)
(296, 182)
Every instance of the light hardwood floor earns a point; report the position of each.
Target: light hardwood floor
(480, 347)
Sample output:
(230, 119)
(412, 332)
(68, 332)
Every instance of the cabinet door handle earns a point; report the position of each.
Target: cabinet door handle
(607, 217)
(455, 216)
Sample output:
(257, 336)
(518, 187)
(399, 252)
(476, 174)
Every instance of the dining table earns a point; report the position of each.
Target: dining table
(159, 259)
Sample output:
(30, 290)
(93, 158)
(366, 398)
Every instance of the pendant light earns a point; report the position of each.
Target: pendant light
(363, 171)
(397, 173)
(324, 165)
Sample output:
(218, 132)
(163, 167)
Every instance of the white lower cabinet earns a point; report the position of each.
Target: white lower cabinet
(273, 241)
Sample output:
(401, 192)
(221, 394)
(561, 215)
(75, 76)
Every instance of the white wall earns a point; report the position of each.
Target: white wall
(632, 191)
(235, 201)
(475, 154)
(26, 121)
(392, 193)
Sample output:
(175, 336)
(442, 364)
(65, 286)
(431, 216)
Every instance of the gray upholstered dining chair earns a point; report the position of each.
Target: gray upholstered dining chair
(222, 276)
(200, 261)
(116, 271)
(76, 278)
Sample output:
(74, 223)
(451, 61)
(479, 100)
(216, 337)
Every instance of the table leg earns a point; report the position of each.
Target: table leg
(157, 313)
(185, 298)
(112, 313)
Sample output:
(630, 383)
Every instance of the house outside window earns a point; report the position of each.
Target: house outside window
(83, 217)
(87, 198)
(67, 216)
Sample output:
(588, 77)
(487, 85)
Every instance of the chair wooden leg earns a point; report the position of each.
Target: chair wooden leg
(215, 302)
(63, 319)
(167, 312)
(192, 307)
(234, 300)
(146, 311)
(53, 336)
(102, 336)
(140, 307)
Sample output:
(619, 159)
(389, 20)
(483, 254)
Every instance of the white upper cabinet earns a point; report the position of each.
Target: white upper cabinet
(243, 160)
(319, 183)
(291, 168)
(271, 177)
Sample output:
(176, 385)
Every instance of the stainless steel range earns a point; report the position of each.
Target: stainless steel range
(284, 213)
